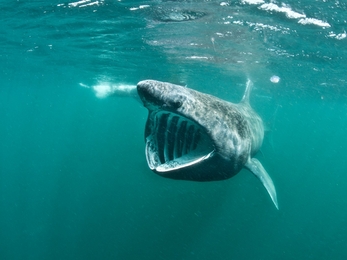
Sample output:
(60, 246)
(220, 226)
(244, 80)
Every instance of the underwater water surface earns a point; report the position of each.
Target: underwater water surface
(74, 181)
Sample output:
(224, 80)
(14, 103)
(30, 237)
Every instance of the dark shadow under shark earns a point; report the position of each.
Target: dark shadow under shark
(194, 136)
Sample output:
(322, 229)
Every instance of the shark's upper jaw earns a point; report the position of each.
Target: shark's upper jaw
(174, 142)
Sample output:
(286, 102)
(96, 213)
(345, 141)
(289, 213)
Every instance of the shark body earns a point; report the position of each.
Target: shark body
(194, 136)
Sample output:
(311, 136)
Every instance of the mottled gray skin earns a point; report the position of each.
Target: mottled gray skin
(235, 129)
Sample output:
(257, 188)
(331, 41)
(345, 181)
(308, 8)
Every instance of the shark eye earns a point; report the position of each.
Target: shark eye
(175, 104)
(178, 104)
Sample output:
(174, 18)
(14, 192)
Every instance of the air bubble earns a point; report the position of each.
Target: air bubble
(275, 79)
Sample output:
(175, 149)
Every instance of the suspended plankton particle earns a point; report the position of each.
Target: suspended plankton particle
(275, 79)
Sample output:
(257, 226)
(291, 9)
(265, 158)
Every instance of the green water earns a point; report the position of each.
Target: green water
(74, 182)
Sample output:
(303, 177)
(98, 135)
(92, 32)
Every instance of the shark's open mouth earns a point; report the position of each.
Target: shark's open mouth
(174, 142)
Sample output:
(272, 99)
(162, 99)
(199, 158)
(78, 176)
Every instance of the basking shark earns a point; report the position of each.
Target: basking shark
(194, 136)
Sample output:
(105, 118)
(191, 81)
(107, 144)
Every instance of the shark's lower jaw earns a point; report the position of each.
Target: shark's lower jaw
(174, 142)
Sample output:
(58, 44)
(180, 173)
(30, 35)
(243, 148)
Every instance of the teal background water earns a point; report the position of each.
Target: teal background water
(74, 183)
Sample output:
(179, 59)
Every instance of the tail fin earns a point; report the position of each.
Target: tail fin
(249, 86)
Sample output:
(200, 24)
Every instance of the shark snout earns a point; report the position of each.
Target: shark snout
(143, 87)
(147, 90)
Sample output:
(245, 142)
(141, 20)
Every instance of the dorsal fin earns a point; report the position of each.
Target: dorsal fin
(245, 98)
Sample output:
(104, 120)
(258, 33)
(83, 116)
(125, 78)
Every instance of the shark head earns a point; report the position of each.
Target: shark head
(187, 136)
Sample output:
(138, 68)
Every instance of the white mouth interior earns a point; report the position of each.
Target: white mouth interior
(176, 142)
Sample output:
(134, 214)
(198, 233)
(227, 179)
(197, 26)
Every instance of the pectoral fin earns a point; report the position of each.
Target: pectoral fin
(258, 170)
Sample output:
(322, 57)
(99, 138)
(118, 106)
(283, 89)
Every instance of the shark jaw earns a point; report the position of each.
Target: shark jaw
(175, 142)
